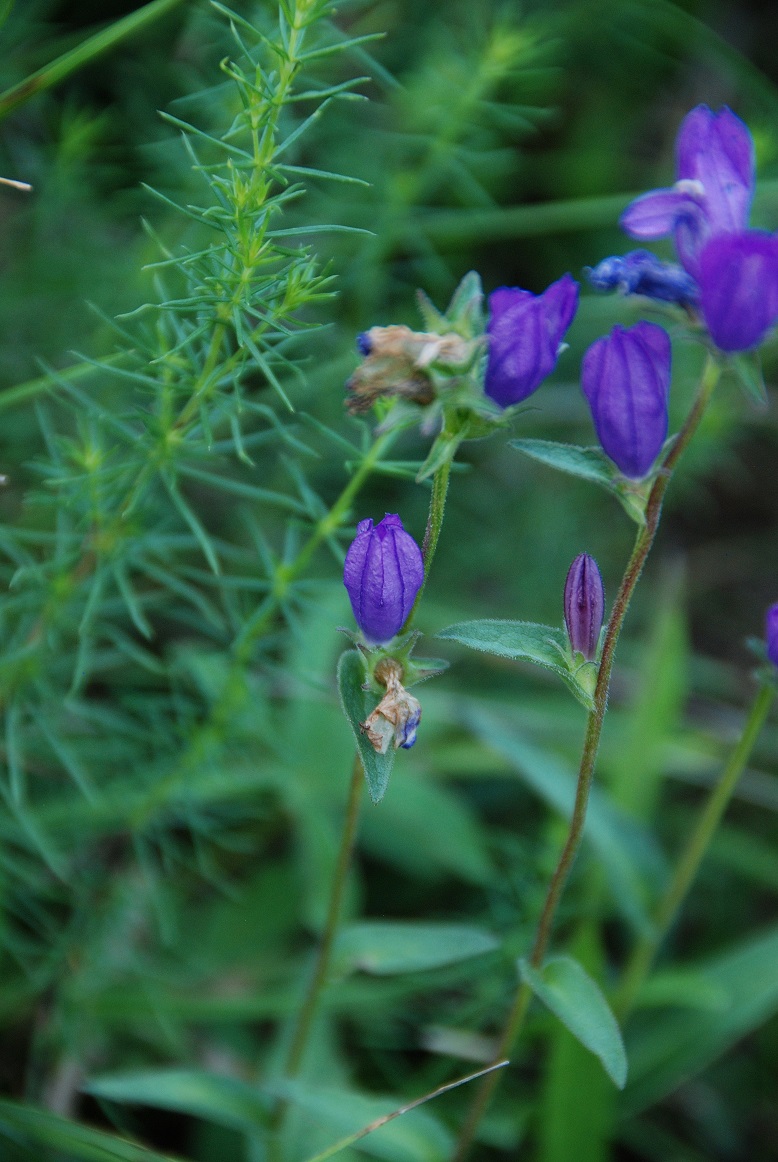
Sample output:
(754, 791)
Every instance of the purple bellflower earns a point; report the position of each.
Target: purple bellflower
(584, 605)
(641, 273)
(707, 211)
(715, 170)
(625, 376)
(525, 333)
(771, 633)
(383, 572)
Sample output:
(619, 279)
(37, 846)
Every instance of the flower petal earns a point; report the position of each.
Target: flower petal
(657, 213)
(717, 150)
(739, 288)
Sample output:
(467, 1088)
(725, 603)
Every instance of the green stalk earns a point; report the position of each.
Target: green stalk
(639, 963)
(435, 516)
(642, 547)
(324, 955)
(83, 54)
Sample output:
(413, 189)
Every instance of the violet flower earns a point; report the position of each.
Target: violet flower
(771, 633)
(584, 605)
(383, 572)
(625, 376)
(715, 171)
(525, 333)
(706, 211)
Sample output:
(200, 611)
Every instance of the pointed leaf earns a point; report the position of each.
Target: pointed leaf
(388, 948)
(357, 705)
(586, 463)
(20, 1120)
(590, 464)
(224, 1100)
(569, 992)
(544, 645)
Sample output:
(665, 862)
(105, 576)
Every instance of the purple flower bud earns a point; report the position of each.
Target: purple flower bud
(641, 273)
(525, 332)
(626, 378)
(364, 344)
(771, 633)
(584, 605)
(738, 278)
(383, 573)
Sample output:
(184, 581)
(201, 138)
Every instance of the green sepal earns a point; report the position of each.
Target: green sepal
(592, 464)
(358, 703)
(400, 650)
(747, 368)
(464, 315)
(543, 645)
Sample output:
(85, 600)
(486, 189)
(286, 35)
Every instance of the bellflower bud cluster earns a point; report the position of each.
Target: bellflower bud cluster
(525, 336)
(584, 604)
(625, 376)
(706, 212)
(383, 572)
(771, 633)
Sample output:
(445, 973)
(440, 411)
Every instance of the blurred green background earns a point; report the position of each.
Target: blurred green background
(503, 138)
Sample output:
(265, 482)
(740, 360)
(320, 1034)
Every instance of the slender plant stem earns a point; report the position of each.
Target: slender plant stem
(324, 955)
(642, 547)
(432, 532)
(639, 963)
(321, 968)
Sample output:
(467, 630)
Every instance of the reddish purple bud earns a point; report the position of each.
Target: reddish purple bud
(584, 605)
(525, 333)
(626, 378)
(383, 573)
(771, 633)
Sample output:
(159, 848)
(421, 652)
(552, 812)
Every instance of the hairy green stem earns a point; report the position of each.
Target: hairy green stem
(432, 532)
(642, 957)
(642, 547)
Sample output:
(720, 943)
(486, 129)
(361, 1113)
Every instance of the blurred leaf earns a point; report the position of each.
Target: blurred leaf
(77, 1142)
(654, 716)
(357, 705)
(631, 858)
(388, 948)
(403, 834)
(204, 1095)
(683, 988)
(676, 1046)
(571, 994)
(83, 54)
